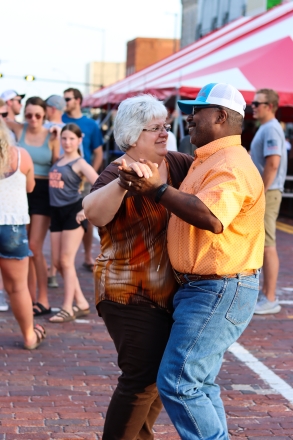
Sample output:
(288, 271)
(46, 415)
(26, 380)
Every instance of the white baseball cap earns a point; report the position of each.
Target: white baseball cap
(10, 94)
(221, 94)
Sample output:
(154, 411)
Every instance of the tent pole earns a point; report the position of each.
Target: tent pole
(181, 127)
(175, 125)
(178, 121)
(107, 137)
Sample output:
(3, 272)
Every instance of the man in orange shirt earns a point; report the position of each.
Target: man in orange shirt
(215, 244)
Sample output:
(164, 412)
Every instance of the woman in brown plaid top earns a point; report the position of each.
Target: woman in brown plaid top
(134, 282)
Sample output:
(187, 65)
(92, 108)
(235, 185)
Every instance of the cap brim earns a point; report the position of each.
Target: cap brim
(22, 96)
(187, 106)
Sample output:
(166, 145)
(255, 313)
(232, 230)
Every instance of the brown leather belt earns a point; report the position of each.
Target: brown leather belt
(183, 278)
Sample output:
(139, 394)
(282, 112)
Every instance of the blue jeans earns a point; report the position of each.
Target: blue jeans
(209, 316)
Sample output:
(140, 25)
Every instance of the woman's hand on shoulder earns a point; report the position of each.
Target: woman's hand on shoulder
(54, 142)
(55, 132)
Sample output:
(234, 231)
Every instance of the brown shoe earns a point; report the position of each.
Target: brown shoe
(78, 312)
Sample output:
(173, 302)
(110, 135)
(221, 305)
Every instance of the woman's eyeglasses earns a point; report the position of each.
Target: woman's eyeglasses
(160, 128)
(33, 115)
(4, 114)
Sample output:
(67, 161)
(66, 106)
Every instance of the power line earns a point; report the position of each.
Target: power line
(60, 81)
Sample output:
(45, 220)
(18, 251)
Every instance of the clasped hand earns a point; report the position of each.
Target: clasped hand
(141, 177)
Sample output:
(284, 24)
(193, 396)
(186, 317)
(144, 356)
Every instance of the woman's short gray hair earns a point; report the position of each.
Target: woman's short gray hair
(133, 115)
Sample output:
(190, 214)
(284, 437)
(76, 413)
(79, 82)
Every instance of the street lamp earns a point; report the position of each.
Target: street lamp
(30, 78)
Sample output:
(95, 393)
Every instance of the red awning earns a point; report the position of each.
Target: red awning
(249, 53)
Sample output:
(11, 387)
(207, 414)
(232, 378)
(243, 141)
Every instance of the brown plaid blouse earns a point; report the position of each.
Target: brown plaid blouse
(133, 266)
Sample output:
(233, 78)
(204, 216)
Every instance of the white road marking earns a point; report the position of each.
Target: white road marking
(96, 234)
(82, 321)
(55, 309)
(274, 381)
(286, 302)
(254, 389)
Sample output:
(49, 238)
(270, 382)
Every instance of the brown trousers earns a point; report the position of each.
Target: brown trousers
(140, 334)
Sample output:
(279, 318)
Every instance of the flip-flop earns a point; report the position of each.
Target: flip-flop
(88, 266)
(78, 312)
(42, 311)
(64, 317)
(41, 335)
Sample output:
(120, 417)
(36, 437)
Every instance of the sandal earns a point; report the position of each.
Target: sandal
(40, 334)
(78, 312)
(63, 316)
(88, 266)
(42, 311)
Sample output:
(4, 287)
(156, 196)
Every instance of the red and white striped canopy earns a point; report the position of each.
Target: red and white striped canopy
(249, 53)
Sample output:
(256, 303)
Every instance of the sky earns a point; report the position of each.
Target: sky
(56, 39)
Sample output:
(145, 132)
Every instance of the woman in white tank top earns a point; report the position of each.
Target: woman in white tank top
(16, 179)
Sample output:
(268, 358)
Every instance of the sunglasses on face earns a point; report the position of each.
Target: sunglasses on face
(17, 100)
(256, 103)
(33, 115)
(197, 108)
(68, 99)
(4, 114)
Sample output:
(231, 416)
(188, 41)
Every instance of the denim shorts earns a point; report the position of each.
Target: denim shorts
(14, 242)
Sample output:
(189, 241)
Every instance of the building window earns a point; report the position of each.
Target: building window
(226, 18)
(214, 23)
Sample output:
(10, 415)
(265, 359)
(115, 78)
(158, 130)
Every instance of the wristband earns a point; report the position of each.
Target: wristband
(160, 191)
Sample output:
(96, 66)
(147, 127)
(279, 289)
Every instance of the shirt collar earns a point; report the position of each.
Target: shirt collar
(207, 150)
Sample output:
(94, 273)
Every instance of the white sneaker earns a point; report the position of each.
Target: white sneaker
(3, 304)
(265, 307)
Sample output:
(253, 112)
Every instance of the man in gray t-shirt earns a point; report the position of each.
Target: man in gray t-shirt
(268, 152)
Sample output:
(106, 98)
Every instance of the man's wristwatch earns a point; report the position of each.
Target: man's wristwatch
(160, 191)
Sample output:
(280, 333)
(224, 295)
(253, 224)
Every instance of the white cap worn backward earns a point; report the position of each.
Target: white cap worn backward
(221, 94)
(10, 94)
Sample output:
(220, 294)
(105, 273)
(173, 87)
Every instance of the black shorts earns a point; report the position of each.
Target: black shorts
(64, 218)
(38, 200)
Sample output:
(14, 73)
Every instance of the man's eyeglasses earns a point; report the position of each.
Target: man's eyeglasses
(68, 99)
(160, 128)
(33, 115)
(4, 114)
(256, 103)
(197, 108)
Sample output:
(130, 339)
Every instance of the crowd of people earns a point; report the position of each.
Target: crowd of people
(65, 151)
(183, 240)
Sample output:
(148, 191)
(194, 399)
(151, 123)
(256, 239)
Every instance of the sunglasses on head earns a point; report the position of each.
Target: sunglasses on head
(256, 103)
(68, 99)
(4, 114)
(33, 115)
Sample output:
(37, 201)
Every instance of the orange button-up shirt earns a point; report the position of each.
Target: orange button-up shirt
(225, 179)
